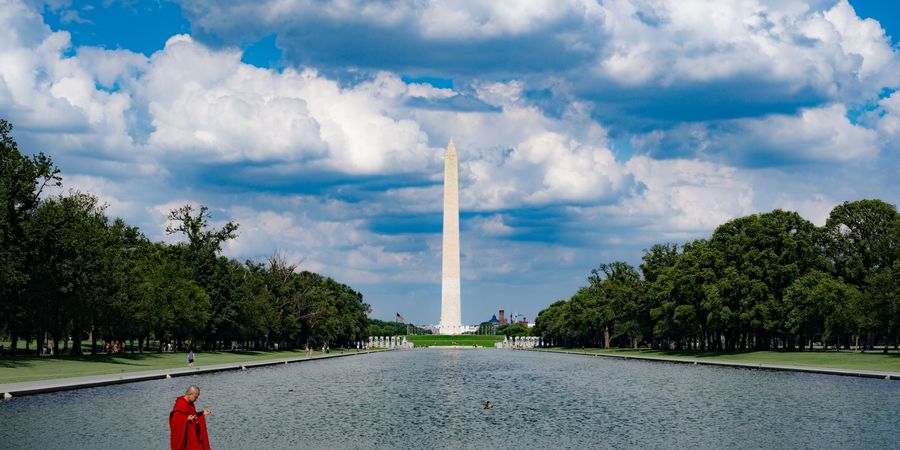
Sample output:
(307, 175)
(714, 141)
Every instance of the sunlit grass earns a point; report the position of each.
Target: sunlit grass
(430, 340)
(33, 368)
(871, 360)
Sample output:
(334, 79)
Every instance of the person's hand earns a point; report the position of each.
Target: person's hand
(191, 418)
(207, 412)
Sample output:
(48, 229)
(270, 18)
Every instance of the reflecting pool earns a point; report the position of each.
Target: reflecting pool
(433, 399)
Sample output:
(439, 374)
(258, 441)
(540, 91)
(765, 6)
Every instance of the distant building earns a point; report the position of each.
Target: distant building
(436, 329)
(494, 320)
(502, 318)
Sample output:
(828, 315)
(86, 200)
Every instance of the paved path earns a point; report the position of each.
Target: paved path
(65, 384)
(744, 365)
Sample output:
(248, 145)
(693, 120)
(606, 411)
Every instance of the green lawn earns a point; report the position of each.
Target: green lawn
(841, 360)
(429, 340)
(33, 368)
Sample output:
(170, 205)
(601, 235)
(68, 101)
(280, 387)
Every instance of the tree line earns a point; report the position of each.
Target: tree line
(68, 270)
(383, 328)
(763, 281)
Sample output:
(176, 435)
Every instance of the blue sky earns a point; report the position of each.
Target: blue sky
(587, 130)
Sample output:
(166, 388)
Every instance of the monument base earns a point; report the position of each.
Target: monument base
(449, 329)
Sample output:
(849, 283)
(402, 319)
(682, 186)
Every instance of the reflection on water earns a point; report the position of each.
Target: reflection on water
(434, 398)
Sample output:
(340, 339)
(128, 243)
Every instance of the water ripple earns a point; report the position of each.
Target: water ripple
(433, 398)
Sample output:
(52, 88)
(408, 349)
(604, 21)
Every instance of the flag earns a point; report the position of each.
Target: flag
(400, 318)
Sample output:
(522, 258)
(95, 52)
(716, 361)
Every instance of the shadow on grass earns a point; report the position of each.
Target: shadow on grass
(128, 359)
(12, 362)
(714, 354)
(8, 362)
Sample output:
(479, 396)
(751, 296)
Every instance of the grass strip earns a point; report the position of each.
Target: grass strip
(35, 368)
(845, 359)
(431, 340)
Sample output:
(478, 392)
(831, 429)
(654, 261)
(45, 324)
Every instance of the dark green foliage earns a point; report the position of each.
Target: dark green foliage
(862, 237)
(487, 328)
(513, 329)
(22, 180)
(67, 271)
(763, 281)
(382, 328)
(819, 307)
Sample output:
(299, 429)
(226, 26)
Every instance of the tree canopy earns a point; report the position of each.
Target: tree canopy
(67, 270)
(771, 280)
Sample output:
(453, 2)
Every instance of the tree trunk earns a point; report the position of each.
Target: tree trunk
(55, 345)
(76, 341)
(40, 343)
(606, 337)
(14, 337)
(93, 341)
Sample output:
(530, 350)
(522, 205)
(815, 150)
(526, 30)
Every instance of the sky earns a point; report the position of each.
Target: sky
(587, 130)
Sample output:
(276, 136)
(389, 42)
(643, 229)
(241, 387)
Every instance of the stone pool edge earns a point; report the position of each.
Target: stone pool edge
(776, 367)
(24, 388)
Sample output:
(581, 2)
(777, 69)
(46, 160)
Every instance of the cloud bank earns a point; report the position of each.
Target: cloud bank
(587, 130)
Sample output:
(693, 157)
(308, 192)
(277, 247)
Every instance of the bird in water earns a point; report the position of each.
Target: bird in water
(488, 405)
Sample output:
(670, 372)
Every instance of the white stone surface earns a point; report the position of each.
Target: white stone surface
(451, 322)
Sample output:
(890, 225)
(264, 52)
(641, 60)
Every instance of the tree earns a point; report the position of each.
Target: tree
(878, 309)
(213, 274)
(552, 323)
(513, 329)
(861, 238)
(772, 250)
(22, 181)
(588, 318)
(862, 241)
(762, 280)
(819, 307)
(620, 294)
(173, 305)
(115, 313)
(682, 291)
(72, 265)
(66, 270)
(657, 259)
(201, 240)
(488, 328)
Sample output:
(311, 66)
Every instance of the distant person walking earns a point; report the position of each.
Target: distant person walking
(188, 427)
(190, 358)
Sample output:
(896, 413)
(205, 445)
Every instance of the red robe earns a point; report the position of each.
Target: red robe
(187, 435)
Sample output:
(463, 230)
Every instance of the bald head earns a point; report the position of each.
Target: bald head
(192, 393)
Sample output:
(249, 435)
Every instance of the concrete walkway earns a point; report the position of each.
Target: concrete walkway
(743, 365)
(64, 384)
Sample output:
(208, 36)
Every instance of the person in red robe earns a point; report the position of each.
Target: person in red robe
(187, 426)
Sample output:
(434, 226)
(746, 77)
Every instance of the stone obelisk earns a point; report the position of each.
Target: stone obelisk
(450, 293)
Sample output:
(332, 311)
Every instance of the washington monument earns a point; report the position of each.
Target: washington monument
(450, 309)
